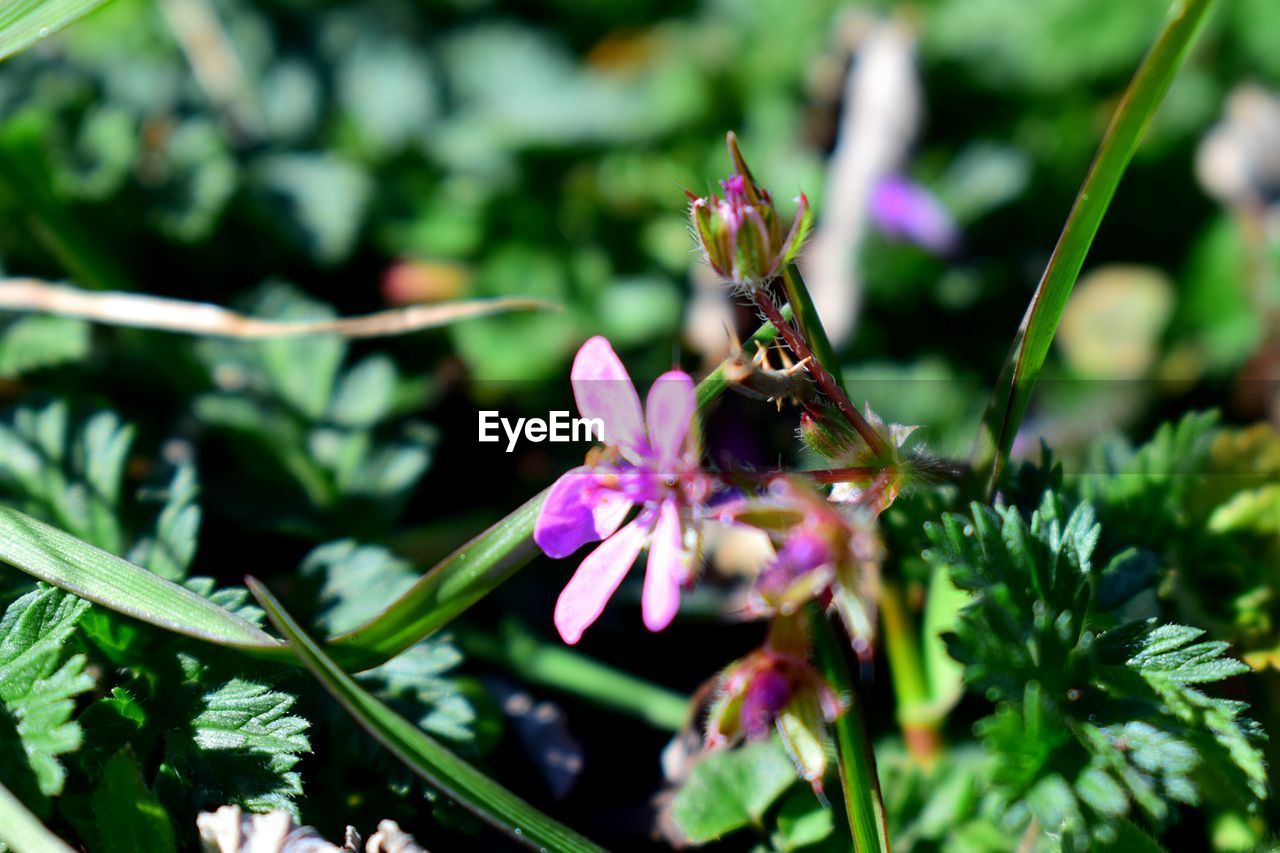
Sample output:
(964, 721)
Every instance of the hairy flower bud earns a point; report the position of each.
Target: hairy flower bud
(742, 235)
(775, 687)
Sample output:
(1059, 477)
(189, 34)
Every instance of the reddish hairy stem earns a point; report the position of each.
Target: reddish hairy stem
(830, 387)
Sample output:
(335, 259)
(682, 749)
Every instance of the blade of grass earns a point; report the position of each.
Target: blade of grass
(457, 779)
(554, 665)
(1012, 393)
(61, 559)
(448, 588)
(21, 831)
(25, 22)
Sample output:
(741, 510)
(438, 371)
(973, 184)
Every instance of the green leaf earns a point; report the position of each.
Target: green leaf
(91, 573)
(554, 665)
(24, 22)
(1013, 389)
(241, 745)
(731, 789)
(70, 476)
(37, 686)
(20, 830)
(802, 820)
(169, 549)
(1095, 718)
(37, 342)
(127, 815)
(457, 779)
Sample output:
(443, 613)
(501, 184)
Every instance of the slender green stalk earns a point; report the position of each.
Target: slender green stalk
(422, 754)
(859, 783)
(813, 343)
(554, 665)
(1012, 393)
(857, 763)
(21, 831)
(906, 668)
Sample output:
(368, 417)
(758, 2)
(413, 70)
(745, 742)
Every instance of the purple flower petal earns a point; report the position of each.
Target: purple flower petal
(603, 389)
(571, 515)
(669, 412)
(661, 597)
(583, 599)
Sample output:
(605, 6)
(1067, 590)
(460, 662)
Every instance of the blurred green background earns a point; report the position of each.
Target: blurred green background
(305, 159)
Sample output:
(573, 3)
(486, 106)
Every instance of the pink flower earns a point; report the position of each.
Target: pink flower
(647, 463)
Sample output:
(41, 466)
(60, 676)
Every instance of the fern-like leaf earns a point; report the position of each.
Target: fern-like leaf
(39, 683)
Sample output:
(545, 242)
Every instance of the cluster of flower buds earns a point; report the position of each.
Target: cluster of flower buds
(776, 688)
(742, 235)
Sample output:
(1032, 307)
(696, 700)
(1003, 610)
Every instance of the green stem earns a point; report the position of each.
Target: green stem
(1012, 393)
(811, 342)
(714, 384)
(906, 668)
(555, 666)
(860, 785)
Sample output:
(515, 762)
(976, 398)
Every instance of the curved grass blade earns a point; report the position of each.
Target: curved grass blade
(25, 22)
(61, 559)
(448, 588)
(141, 311)
(21, 831)
(1012, 393)
(457, 779)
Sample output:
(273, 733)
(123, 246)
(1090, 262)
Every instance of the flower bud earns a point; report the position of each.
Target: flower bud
(742, 235)
(775, 687)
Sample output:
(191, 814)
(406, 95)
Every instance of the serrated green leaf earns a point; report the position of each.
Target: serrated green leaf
(240, 745)
(37, 687)
(170, 547)
(71, 477)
